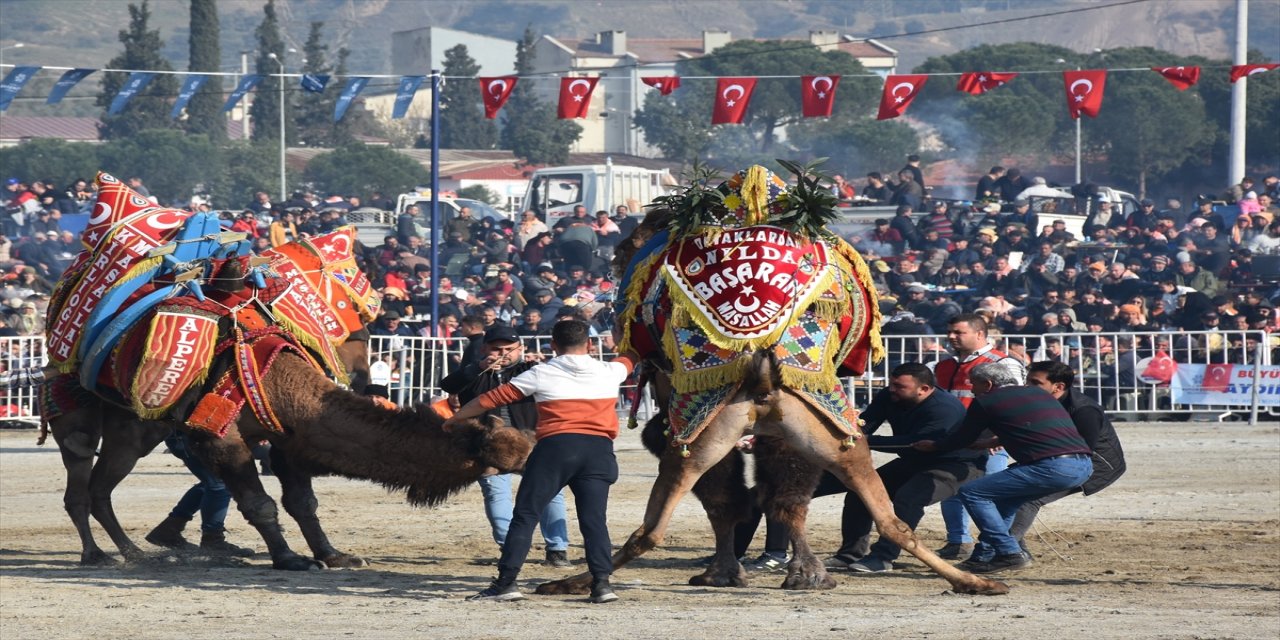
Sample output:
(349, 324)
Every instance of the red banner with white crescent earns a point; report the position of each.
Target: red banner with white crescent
(575, 96)
(495, 92)
(818, 95)
(664, 84)
(1245, 70)
(979, 82)
(748, 281)
(1180, 77)
(1084, 91)
(899, 91)
(732, 97)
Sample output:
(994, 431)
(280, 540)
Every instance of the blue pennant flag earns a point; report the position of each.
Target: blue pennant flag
(404, 95)
(13, 83)
(138, 80)
(246, 85)
(349, 92)
(64, 84)
(314, 83)
(189, 88)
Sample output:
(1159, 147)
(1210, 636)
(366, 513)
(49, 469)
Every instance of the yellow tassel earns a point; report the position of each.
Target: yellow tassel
(755, 195)
(635, 296)
(862, 274)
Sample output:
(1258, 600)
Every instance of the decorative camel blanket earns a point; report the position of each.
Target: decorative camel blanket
(133, 320)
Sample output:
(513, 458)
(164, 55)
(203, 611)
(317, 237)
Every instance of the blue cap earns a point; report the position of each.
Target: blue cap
(11, 181)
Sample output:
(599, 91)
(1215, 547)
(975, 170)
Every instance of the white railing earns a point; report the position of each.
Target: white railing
(419, 363)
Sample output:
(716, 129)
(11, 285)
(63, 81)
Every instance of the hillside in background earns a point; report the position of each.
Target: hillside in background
(83, 32)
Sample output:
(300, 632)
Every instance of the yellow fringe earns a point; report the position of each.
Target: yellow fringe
(755, 195)
(321, 346)
(702, 379)
(635, 297)
(155, 413)
(134, 272)
(862, 274)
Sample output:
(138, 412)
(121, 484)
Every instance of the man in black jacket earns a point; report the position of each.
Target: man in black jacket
(1093, 424)
(503, 359)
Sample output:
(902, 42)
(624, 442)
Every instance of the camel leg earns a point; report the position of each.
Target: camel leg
(232, 459)
(722, 490)
(676, 477)
(786, 482)
(77, 434)
(299, 500)
(854, 468)
(125, 440)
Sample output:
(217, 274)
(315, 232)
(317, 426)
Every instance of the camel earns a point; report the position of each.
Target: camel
(794, 442)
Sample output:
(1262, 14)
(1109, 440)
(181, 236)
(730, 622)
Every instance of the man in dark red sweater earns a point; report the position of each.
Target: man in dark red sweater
(1039, 434)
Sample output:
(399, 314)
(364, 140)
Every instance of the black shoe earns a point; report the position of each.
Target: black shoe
(955, 550)
(558, 559)
(1006, 562)
(498, 592)
(601, 592)
(217, 543)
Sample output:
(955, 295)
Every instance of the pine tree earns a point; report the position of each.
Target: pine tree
(150, 108)
(265, 112)
(533, 132)
(462, 121)
(315, 110)
(204, 112)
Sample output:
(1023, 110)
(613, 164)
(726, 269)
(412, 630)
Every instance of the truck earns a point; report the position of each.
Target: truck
(554, 192)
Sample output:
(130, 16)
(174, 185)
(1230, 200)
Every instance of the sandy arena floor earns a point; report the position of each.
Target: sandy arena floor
(1186, 545)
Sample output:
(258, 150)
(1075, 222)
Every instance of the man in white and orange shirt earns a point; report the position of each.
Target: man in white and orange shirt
(576, 397)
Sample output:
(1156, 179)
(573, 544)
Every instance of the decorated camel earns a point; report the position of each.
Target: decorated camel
(165, 321)
(744, 308)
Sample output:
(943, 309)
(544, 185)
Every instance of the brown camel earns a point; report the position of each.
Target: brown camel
(331, 431)
(794, 443)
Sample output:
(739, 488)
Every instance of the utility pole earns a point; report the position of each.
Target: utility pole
(245, 102)
(1239, 91)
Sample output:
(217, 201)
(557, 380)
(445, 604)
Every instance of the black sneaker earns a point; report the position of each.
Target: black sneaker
(1006, 562)
(601, 592)
(497, 592)
(955, 550)
(558, 559)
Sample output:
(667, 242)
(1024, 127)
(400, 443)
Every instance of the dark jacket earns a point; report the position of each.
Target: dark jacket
(933, 419)
(469, 382)
(1098, 432)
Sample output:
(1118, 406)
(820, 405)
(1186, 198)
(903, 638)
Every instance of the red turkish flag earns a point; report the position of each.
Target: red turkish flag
(1180, 77)
(495, 92)
(818, 95)
(1217, 377)
(1244, 70)
(1160, 369)
(899, 91)
(664, 84)
(980, 82)
(732, 96)
(575, 96)
(1084, 91)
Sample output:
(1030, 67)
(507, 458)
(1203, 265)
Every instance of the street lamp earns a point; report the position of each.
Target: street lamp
(283, 193)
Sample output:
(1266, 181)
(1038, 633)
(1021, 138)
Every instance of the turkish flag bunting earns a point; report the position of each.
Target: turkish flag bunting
(899, 91)
(732, 96)
(664, 84)
(575, 96)
(818, 95)
(1242, 70)
(495, 92)
(980, 82)
(1084, 91)
(1180, 77)
(1217, 377)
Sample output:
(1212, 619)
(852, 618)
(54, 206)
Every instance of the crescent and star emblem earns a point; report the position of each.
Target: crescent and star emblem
(331, 249)
(578, 96)
(751, 305)
(897, 97)
(1080, 96)
(101, 212)
(500, 84)
(729, 102)
(155, 221)
(820, 80)
(1255, 72)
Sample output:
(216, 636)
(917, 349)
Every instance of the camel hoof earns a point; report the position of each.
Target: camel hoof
(344, 561)
(577, 585)
(714, 578)
(295, 562)
(813, 578)
(96, 558)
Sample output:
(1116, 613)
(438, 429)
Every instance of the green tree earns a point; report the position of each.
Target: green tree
(1262, 111)
(361, 169)
(173, 162)
(859, 146)
(246, 168)
(265, 111)
(679, 124)
(51, 158)
(1150, 128)
(150, 108)
(315, 111)
(533, 132)
(462, 121)
(358, 121)
(204, 112)
(481, 193)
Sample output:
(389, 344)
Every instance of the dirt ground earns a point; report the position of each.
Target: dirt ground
(1186, 545)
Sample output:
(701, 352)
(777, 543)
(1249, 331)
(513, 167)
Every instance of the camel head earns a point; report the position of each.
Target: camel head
(493, 445)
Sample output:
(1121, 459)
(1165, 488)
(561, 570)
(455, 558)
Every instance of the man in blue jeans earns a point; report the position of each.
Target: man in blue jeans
(1039, 435)
(501, 359)
(209, 497)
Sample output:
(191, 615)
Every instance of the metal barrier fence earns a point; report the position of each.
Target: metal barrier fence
(1110, 365)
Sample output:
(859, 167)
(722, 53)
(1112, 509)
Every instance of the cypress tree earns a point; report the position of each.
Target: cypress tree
(150, 108)
(266, 101)
(533, 132)
(462, 121)
(204, 112)
(315, 110)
